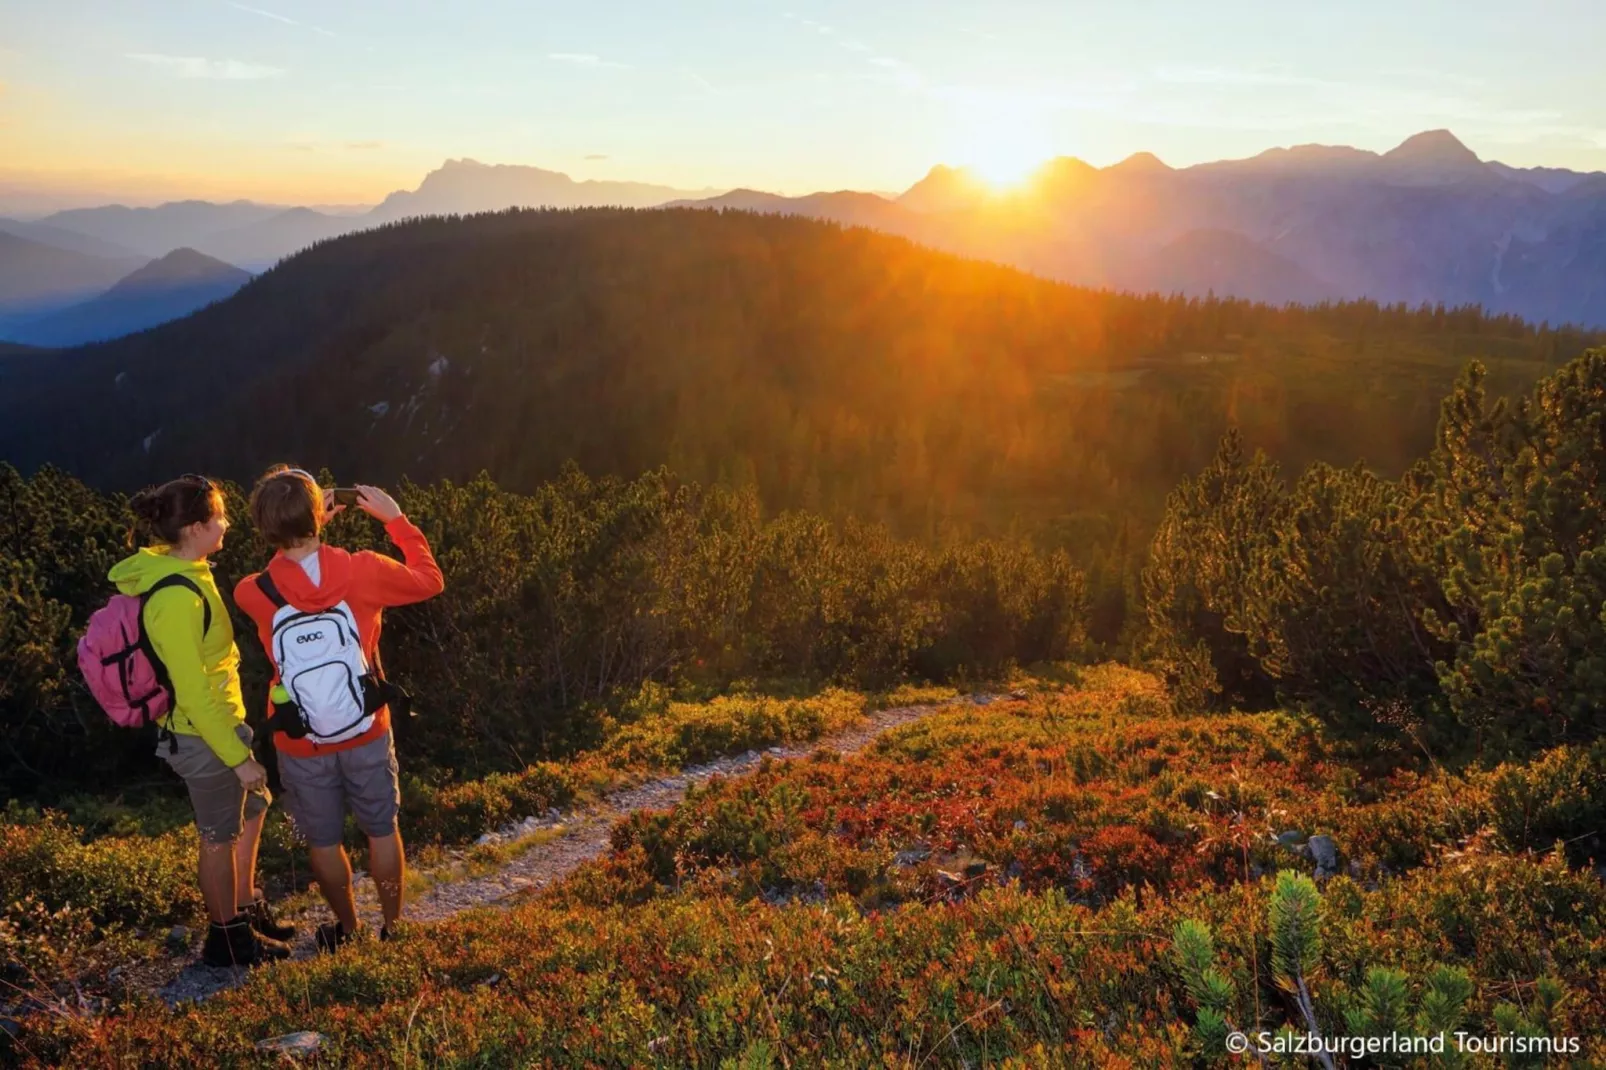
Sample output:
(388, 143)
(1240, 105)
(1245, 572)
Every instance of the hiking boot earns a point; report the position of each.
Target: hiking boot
(236, 943)
(330, 936)
(263, 921)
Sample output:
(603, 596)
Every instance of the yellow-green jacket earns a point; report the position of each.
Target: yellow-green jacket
(205, 669)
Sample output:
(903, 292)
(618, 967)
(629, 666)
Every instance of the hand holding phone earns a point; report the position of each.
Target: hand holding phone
(344, 495)
(377, 504)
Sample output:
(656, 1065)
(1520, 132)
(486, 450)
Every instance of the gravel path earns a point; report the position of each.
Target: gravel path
(567, 841)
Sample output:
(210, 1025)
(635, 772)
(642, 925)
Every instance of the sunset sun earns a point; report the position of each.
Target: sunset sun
(1005, 150)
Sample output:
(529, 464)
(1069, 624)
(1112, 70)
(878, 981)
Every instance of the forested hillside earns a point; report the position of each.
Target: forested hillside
(836, 370)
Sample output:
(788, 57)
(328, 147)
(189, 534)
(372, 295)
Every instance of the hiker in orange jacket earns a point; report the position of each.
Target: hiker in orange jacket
(303, 603)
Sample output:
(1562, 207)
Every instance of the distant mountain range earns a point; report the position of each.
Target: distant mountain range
(165, 289)
(36, 278)
(55, 273)
(255, 236)
(1426, 222)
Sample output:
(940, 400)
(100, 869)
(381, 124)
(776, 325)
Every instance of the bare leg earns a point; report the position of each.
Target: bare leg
(387, 861)
(245, 861)
(218, 880)
(332, 870)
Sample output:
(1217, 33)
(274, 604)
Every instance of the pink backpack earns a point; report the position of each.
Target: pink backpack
(120, 664)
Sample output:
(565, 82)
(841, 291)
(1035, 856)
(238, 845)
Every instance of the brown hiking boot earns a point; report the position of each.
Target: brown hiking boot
(236, 943)
(263, 921)
(331, 935)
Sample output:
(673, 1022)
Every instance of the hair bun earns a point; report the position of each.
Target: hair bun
(147, 504)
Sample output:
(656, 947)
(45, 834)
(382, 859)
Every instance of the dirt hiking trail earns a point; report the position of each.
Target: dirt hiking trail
(563, 842)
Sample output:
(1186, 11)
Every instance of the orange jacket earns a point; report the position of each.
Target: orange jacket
(368, 583)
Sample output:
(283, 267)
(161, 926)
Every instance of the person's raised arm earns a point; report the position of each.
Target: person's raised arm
(414, 578)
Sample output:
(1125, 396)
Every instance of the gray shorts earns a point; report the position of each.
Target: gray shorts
(318, 790)
(222, 805)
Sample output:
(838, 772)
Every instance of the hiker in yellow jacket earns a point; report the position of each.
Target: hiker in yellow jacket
(205, 738)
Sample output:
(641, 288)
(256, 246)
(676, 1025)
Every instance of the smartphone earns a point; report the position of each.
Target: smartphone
(345, 495)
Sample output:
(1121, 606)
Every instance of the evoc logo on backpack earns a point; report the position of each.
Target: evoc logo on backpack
(321, 663)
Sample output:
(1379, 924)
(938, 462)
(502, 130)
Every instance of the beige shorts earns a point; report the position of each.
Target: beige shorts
(222, 805)
(318, 790)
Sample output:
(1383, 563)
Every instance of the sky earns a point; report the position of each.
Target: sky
(338, 102)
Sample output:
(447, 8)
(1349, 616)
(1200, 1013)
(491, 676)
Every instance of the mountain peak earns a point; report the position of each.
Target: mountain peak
(183, 267)
(1141, 163)
(1433, 147)
(1061, 167)
(945, 189)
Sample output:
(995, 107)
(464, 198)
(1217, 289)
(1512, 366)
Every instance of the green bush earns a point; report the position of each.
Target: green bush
(62, 899)
(1460, 608)
(559, 606)
(1560, 797)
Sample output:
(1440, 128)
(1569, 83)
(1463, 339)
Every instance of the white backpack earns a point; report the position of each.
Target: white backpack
(321, 663)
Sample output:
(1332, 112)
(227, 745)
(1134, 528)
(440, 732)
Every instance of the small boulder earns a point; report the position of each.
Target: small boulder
(1020, 826)
(178, 939)
(1291, 839)
(302, 1043)
(485, 839)
(1324, 852)
(911, 856)
(1019, 695)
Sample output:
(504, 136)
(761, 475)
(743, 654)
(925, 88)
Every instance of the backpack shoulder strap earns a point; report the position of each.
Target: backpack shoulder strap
(270, 590)
(177, 580)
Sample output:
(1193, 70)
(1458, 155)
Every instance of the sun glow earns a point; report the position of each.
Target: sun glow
(1004, 149)
(1007, 166)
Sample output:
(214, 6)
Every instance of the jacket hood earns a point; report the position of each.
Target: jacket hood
(139, 573)
(334, 579)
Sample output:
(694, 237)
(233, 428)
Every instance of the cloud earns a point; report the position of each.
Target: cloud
(280, 18)
(890, 69)
(324, 146)
(818, 27)
(585, 59)
(1224, 76)
(702, 83)
(597, 156)
(231, 70)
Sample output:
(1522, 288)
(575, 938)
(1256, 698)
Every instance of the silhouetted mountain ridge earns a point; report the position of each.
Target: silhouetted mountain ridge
(1425, 221)
(165, 289)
